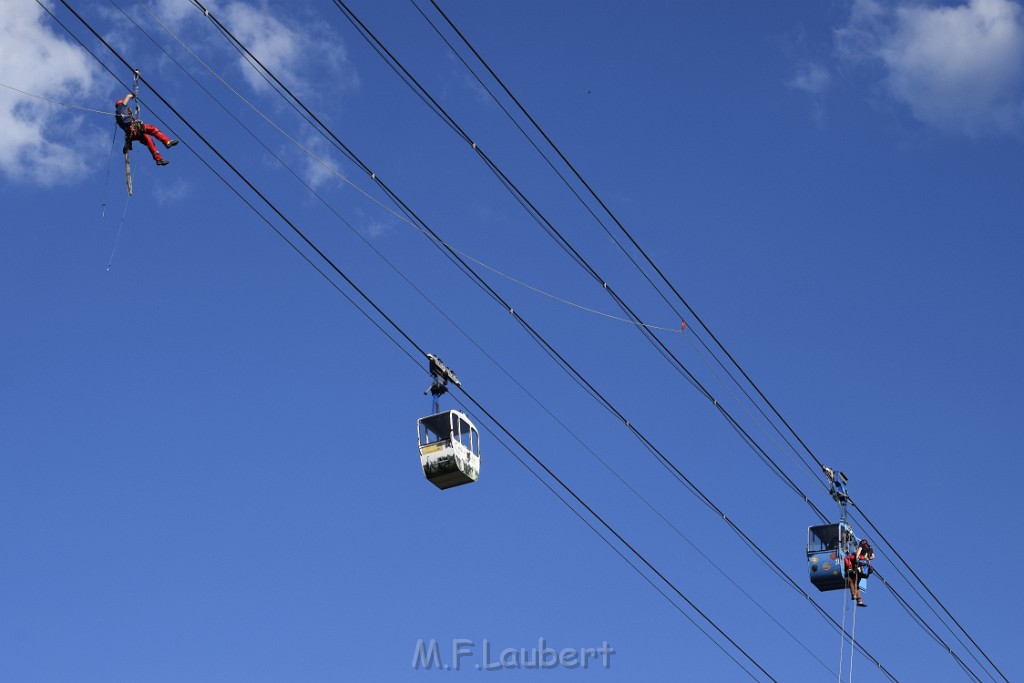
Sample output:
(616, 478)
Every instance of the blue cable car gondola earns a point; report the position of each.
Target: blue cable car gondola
(829, 544)
(449, 443)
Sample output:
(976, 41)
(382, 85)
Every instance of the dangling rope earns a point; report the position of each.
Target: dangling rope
(853, 641)
(127, 170)
(106, 183)
(117, 236)
(842, 638)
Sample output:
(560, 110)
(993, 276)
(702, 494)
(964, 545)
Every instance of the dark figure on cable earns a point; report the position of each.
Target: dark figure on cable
(137, 130)
(858, 568)
(864, 556)
(853, 578)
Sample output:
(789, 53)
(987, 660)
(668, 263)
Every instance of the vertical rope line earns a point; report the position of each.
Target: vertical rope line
(842, 637)
(106, 182)
(117, 237)
(853, 641)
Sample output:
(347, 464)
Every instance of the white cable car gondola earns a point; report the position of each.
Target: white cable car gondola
(449, 449)
(449, 443)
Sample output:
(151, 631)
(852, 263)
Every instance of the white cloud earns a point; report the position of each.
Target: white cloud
(300, 50)
(373, 229)
(473, 85)
(177, 11)
(958, 68)
(812, 78)
(319, 166)
(41, 142)
(296, 56)
(171, 192)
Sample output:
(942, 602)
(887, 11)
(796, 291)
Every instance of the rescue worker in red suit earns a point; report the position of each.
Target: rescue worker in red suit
(137, 130)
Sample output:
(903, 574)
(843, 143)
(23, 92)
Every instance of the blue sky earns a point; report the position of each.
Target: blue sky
(207, 463)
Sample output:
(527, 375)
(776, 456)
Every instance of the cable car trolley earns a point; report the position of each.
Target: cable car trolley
(828, 545)
(449, 442)
(836, 559)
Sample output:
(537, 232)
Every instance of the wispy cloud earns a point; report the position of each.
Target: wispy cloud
(171, 192)
(374, 229)
(319, 166)
(811, 77)
(176, 11)
(36, 60)
(297, 54)
(478, 90)
(958, 68)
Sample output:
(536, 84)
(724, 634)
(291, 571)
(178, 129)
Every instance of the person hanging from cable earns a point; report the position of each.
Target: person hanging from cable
(137, 130)
(863, 558)
(852, 576)
(858, 568)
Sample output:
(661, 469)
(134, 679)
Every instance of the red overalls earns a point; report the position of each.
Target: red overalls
(137, 130)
